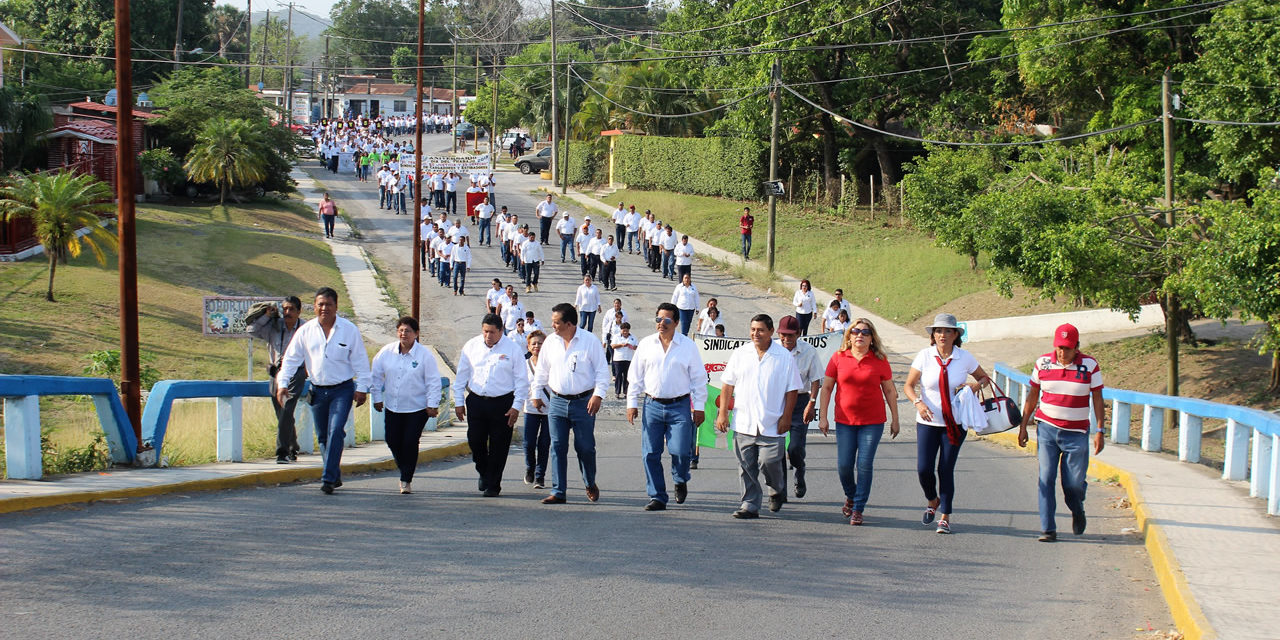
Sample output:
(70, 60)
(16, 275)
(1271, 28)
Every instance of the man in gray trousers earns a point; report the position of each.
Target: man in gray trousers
(276, 327)
(769, 379)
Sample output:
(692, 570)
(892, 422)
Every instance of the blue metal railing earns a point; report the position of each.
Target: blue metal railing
(1259, 463)
(22, 419)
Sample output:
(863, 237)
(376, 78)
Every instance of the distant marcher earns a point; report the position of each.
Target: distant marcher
(623, 346)
(546, 212)
(338, 365)
(406, 384)
(684, 258)
(805, 306)
(745, 224)
(685, 298)
(493, 375)
(863, 382)
(276, 328)
(461, 264)
(328, 213)
(537, 431)
(811, 372)
(1063, 383)
(770, 381)
(587, 301)
(533, 257)
(940, 371)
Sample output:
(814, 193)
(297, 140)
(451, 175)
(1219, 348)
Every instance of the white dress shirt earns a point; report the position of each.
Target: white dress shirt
(547, 209)
(462, 254)
(760, 387)
(573, 368)
(685, 298)
(632, 221)
(545, 397)
(588, 298)
(608, 252)
(593, 246)
(608, 322)
(623, 354)
(532, 252)
(491, 371)
(493, 296)
(684, 253)
(566, 225)
(510, 314)
(804, 302)
(333, 360)
(405, 382)
(959, 366)
(667, 374)
(668, 240)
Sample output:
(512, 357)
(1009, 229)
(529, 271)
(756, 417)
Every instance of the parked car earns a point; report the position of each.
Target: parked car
(467, 130)
(531, 162)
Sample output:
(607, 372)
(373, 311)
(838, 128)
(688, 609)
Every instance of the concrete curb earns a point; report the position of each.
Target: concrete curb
(263, 478)
(1173, 584)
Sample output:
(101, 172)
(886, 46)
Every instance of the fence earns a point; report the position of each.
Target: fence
(22, 419)
(1252, 449)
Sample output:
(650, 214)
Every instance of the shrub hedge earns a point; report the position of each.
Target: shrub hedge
(588, 162)
(723, 167)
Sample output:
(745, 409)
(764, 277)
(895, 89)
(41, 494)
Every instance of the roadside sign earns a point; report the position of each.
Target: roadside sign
(223, 316)
(774, 188)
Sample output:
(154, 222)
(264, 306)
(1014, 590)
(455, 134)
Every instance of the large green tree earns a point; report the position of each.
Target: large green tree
(229, 153)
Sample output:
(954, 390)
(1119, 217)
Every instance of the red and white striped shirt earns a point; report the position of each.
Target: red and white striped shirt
(1065, 390)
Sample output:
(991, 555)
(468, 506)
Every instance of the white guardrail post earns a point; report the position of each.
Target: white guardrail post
(22, 437)
(1260, 474)
(230, 429)
(305, 427)
(1121, 419)
(1189, 430)
(1235, 455)
(1152, 428)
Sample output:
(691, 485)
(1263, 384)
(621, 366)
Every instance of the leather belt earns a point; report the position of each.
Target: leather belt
(575, 396)
(669, 400)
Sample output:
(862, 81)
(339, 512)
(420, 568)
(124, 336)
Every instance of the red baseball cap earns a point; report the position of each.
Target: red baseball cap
(788, 325)
(1066, 336)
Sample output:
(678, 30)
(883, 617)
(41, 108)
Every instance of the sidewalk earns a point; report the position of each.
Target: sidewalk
(1213, 548)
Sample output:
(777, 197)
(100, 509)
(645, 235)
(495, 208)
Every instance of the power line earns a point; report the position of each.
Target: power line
(1228, 122)
(662, 115)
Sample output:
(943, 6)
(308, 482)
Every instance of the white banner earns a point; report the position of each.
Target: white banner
(444, 164)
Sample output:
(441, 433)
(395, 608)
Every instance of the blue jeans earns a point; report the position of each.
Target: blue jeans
(669, 264)
(459, 276)
(565, 416)
(486, 236)
(930, 441)
(537, 443)
(672, 425)
(797, 443)
(566, 242)
(329, 409)
(686, 320)
(444, 270)
(1068, 450)
(746, 245)
(855, 452)
(632, 240)
(587, 320)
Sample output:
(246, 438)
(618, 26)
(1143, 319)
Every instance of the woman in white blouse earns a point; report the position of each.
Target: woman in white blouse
(537, 432)
(805, 305)
(406, 385)
(685, 298)
(587, 302)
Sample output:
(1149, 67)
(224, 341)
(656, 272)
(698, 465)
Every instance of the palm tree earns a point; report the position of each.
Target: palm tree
(228, 152)
(60, 204)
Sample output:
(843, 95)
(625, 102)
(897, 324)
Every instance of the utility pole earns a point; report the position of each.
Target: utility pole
(177, 40)
(130, 366)
(328, 79)
(1171, 301)
(288, 71)
(494, 151)
(775, 97)
(248, 42)
(568, 133)
(555, 104)
(453, 108)
(311, 94)
(266, 35)
(416, 249)
(475, 130)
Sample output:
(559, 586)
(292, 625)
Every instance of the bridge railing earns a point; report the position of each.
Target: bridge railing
(1252, 443)
(23, 455)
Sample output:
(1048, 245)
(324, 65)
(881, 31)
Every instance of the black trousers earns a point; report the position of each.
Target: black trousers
(286, 430)
(489, 436)
(404, 431)
(683, 270)
(620, 382)
(608, 274)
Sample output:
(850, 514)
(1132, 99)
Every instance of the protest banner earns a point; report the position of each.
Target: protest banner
(448, 164)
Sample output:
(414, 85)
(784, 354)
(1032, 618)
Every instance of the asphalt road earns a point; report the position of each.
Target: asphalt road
(290, 561)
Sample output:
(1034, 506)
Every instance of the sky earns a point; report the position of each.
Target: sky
(316, 7)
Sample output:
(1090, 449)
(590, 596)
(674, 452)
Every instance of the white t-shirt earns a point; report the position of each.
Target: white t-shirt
(961, 364)
(623, 354)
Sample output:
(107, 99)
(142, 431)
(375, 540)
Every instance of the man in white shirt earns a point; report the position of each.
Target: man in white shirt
(572, 367)
(594, 247)
(484, 214)
(812, 370)
(492, 372)
(451, 193)
(533, 256)
(581, 240)
(406, 385)
(668, 242)
(609, 265)
(566, 227)
(619, 227)
(769, 380)
(587, 301)
(831, 313)
(437, 190)
(668, 378)
(684, 258)
(338, 366)
(546, 212)
(632, 222)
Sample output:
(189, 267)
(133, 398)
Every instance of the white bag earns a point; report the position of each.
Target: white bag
(1001, 411)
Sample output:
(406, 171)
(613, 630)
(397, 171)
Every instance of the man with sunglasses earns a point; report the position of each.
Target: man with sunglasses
(812, 371)
(276, 327)
(668, 377)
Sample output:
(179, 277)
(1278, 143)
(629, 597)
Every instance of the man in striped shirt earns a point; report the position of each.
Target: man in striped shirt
(1062, 385)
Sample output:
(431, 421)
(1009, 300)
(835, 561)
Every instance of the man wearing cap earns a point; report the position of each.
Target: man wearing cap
(1063, 384)
(546, 212)
(812, 371)
(566, 227)
(668, 378)
(770, 381)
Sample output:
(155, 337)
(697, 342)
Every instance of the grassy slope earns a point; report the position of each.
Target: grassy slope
(893, 271)
(184, 253)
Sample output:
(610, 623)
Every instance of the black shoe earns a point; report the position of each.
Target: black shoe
(1048, 536)
(775, 502)
(337, 484)
(801, 489)
(1077, 522)
(482, 485)
(682, 492)
(539, 483)
(528, 476)
(327, 488)
(491, 493)
(743, 514)
(282, 460)
(655, 505)
(693, 465)
(293, 457)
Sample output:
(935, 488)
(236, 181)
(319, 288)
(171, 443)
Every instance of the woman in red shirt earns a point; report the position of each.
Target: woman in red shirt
(860, 374)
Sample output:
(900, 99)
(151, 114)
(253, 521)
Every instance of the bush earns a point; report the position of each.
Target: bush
(588, 162)
(161, 165)
(106, 364)
(723, 167)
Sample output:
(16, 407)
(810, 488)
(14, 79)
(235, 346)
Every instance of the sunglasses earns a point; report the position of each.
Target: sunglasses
(860, 332)
(663, 320)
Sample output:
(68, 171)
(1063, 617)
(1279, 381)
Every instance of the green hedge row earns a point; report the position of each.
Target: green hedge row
(588, 162)
(723, 167)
